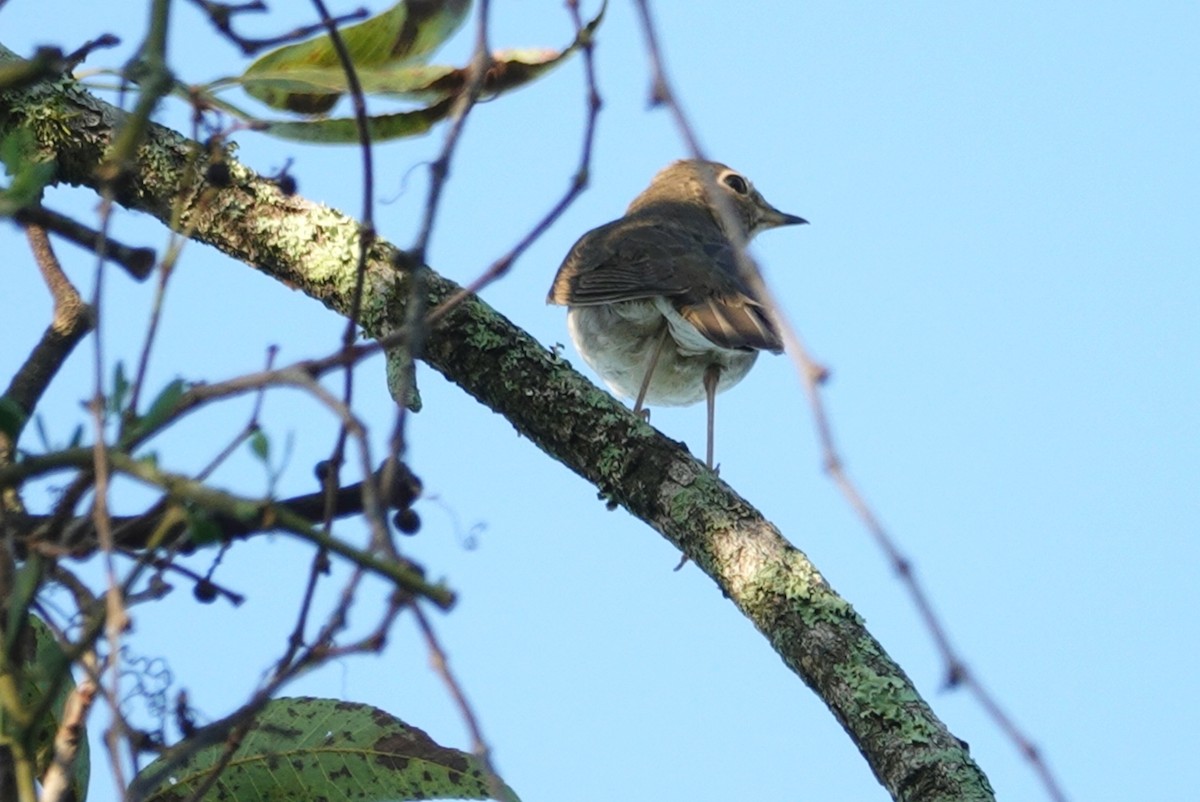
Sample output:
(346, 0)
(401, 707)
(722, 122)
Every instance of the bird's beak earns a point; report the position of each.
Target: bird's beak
(772, 217)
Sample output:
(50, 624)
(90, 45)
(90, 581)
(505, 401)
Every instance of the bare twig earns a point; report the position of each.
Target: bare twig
(137, 262)
(72, 321)
(366, 239)
(414, 326)
(44, 63)
(481, 62)
(56, 782)
(222, 16)
(441, 665)
(812, 375)
(579, 180)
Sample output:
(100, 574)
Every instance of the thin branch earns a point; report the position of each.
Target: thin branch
(402, 385)
(56, 782)
(366, 237)
(481, 62)
(137, 262)
(229, 731)
(72, 321)
(222, 16)
(135, 532)
(46, 62)
(441, 665)
(579, 180)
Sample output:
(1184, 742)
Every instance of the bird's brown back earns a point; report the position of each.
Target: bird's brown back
(679, 253)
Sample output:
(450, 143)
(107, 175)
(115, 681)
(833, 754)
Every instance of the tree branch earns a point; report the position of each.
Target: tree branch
(72, 320)
(77, 536)
(816, 633)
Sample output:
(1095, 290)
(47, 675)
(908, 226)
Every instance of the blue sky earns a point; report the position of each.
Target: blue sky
(1002, 273)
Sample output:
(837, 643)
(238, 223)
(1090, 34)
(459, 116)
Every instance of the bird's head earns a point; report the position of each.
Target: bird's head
(723, 192)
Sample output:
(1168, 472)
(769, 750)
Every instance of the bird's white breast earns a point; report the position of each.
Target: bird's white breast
(618, 340)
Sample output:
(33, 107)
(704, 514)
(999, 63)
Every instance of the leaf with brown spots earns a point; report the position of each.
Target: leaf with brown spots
(305, 748)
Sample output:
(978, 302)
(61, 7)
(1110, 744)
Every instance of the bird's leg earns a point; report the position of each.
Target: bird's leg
(641, 396)
(712, 375)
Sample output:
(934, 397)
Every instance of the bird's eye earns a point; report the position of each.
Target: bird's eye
(736, 183)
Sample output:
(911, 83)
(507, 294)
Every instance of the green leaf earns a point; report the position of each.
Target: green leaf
(24, 586)
(344, 130)
(120, 390)
(165, 403)
(12, 418)
(261, 446)
(202, 529)
(439, 85)
(326, 749)
(408, 31)
(48, 672)
(161, 409)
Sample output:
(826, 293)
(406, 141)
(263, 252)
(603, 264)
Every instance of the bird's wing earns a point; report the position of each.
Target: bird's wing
(692, 266)
(732, 320)
(626, 260)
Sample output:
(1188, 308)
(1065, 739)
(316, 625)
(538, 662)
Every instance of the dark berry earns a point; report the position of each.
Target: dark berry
(217, 174)
(205, 592)
(407, 521)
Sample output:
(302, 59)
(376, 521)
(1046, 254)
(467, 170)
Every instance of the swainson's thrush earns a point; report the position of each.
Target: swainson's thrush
(656, 302)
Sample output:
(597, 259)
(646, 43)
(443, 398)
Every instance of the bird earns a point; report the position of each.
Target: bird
(657, 303)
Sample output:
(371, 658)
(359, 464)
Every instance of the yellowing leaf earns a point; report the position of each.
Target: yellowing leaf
(439, 86)
(408, 31)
